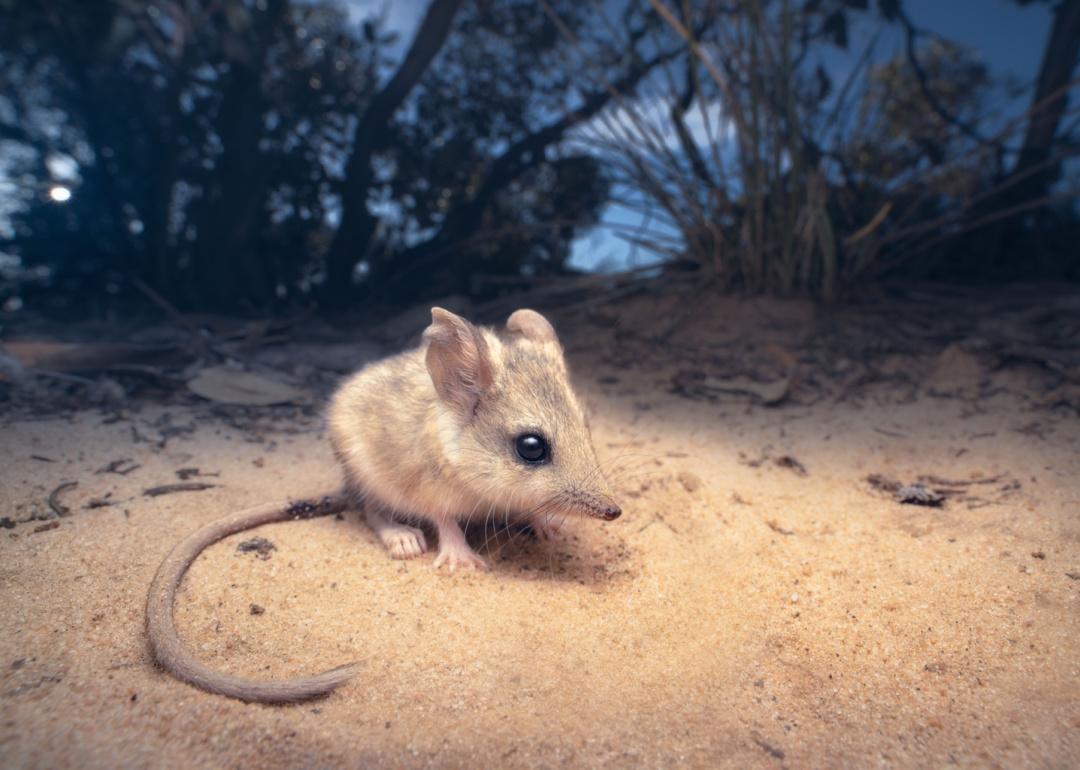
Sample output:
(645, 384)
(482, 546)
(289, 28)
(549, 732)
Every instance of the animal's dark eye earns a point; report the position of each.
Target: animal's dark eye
(532, 448)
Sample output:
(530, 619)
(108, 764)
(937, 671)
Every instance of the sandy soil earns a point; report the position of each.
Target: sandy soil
(758, 604)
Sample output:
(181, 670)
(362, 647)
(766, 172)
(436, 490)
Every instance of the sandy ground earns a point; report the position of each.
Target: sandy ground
(758, 604)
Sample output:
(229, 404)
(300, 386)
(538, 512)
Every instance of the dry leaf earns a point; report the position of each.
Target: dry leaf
(768, 393)
(229, 386)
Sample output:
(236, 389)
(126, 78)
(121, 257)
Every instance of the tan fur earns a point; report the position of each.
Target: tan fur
(436, 460)
(427, 434)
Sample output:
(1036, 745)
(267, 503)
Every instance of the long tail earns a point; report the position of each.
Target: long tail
(161, 628)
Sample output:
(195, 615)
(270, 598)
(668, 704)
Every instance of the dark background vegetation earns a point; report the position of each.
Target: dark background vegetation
(255, 156)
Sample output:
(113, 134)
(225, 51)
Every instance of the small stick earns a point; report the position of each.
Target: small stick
(960, 482)
(184, 486)
(121, 467)
(54, 498)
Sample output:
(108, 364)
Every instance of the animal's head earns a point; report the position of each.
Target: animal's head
(509, 418)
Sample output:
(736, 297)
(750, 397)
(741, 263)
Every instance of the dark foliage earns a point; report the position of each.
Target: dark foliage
(243, 155)
(214, 147)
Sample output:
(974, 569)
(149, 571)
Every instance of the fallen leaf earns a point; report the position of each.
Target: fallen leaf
(768, 393)
(230, 386)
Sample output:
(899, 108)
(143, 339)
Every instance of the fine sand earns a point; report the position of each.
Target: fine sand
(759, 604)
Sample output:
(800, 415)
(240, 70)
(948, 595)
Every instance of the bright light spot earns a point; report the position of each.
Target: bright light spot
(60, 194)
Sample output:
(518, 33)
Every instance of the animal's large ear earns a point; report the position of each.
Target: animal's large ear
(458, 360)
(531, 325)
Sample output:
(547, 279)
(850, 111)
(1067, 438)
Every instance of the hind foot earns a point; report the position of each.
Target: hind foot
(401, 540)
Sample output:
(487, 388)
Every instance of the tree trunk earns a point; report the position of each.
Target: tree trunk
(228, 265)
(419, 264)
(1048, 106)
(357, 226)
(991, 253)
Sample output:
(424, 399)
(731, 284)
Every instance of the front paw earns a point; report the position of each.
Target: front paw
(405, 543)
(459, 558)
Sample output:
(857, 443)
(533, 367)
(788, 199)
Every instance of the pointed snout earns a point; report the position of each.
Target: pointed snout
(610, 512)
(596, 503)
(603, 507)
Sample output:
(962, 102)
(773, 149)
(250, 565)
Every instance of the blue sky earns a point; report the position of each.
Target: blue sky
(1010, 36)
(1007, 36)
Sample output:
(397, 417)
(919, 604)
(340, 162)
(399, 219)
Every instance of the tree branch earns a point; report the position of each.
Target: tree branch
(678, 114)
(910, 36)
(1059, 60)
(526, 153)
(357, 225)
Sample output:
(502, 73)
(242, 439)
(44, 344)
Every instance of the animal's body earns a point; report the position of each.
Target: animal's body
(474, 423)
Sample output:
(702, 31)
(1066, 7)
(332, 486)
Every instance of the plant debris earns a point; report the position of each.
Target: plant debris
(257, 609)
(919, 494)
(257, 545)
(160, 431)
(121, 467)
(938, 480)
(771, 524)
(99, 502)
(699, 384)
(187, 473)
(789, 462)
(883, 483)
(231, 386)
(183, 486)
(768, 748)
(54, 498)
(933, 491)
(46, 527)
